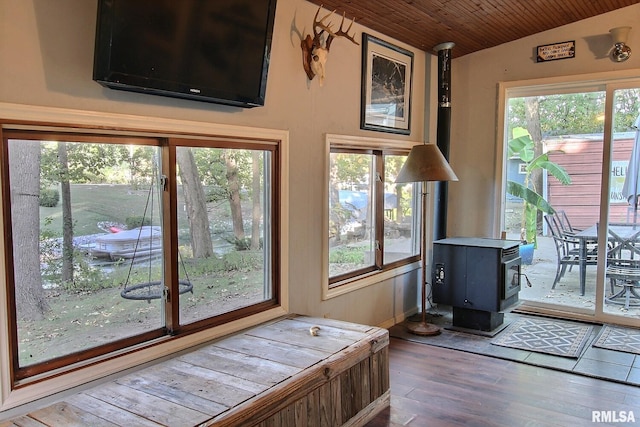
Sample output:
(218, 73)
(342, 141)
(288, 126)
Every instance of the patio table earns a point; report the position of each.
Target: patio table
(590, 235)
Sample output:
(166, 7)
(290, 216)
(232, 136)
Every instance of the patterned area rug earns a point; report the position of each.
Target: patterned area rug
(619, 339)
(550, 336)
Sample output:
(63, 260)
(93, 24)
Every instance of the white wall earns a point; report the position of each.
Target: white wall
(46, 52)
(472, 201)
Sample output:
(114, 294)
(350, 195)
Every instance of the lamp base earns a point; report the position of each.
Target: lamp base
(423, 328)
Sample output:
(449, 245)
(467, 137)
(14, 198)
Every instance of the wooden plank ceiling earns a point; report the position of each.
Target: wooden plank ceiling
(472, 25)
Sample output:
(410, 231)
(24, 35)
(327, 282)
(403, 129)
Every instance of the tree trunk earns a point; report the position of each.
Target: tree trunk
(67, 219)
(256, 193)
(24, 170)
(532, 115)
(195, 203)
(234, 197)
(335, 212)
(399, 213)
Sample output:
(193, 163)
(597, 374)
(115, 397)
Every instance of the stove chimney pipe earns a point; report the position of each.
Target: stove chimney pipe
(443, 138)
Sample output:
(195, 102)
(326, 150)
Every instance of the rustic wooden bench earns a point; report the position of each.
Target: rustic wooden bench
(275, 374)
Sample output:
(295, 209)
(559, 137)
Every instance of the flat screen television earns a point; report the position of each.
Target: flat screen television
(206, 50)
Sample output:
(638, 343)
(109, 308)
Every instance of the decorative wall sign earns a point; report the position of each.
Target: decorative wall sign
(386, 86)
(552, 52)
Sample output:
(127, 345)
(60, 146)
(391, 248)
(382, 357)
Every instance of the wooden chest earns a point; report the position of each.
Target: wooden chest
(275, 374)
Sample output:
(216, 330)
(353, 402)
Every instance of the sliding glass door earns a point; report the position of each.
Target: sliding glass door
(621, 287)
(567, 148)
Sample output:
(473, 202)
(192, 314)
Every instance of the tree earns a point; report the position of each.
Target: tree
(532, 117)
(576, 113)
(195, 202)
(67, 218)
(234, 197)
(392, 167)
(67, 162)
(24, 171)
(255, 196)
(348, 171)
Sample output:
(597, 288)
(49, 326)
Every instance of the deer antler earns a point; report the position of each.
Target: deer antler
(314, 54)
(341, 33)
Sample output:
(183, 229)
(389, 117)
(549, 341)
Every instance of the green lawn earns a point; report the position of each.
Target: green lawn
(93, 203)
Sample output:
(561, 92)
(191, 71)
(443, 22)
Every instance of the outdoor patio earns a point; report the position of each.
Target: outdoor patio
(567, 292)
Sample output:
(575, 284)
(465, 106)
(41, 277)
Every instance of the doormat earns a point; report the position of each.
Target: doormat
(549, 336)
(619, 339)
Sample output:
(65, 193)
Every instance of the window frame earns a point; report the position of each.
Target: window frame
(607, 82)
(19, 389)
(333, 287)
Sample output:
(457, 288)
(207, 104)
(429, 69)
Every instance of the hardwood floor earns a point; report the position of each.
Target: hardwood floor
(434, 386)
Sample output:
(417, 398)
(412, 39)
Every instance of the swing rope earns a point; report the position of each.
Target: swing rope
(151, 289)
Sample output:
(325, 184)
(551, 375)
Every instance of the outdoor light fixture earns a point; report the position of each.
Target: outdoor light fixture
(425, 163)
(621, 52)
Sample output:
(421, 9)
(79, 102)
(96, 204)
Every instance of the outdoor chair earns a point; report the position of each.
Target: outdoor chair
(623, 270)
(620, 247)
(565, 224)
(567, 250)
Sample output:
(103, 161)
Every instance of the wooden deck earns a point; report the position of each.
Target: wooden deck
(274, 374)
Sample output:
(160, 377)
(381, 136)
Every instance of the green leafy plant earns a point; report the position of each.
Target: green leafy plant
(49, 197)
(522, 147)
(136, 221)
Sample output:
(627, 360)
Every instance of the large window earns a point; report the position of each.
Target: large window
(372, 224)
(115, 241)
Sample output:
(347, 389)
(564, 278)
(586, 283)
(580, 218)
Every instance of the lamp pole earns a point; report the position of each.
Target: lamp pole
(423, 328)
(424, 163)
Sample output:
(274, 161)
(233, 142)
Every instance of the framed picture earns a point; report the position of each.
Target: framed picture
(387, 71)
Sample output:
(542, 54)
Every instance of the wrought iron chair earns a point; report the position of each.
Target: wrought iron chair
(565, 224)
(567, 249)
(623, 270)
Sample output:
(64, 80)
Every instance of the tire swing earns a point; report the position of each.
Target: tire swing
(152, 289)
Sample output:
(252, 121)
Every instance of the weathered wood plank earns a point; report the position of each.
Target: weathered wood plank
(108, 412)
(300, 412)
(24, 421)
(337, 400)
(65, 414)
(326, 408)
(345, 395)
(244, 366)
(346, 326)
(237, 385)
(296, 332)
(365, 385)
(370, 411)
(376, 381)
(277, 351)
(330, 327)
(313, 407)
(148, 406)
(182, 389)
(384, 370)
(287, 415)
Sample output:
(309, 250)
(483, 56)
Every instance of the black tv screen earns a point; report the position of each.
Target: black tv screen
(206, 50)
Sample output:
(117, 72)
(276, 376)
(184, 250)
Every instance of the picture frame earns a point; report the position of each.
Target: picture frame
(387, 73)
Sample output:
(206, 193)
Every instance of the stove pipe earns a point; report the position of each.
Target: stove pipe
(443, 137)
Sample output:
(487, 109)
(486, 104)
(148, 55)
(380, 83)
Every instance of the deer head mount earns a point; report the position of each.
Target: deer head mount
(314, 51)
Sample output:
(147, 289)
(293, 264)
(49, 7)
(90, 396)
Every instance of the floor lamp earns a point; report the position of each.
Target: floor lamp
(425, 163)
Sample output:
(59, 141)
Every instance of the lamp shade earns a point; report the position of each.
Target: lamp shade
(620, 34)
(426, 163)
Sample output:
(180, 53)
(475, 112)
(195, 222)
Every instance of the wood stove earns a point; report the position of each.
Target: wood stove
(478, 277)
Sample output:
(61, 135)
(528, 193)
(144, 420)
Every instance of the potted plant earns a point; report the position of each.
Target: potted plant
(522, 147)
